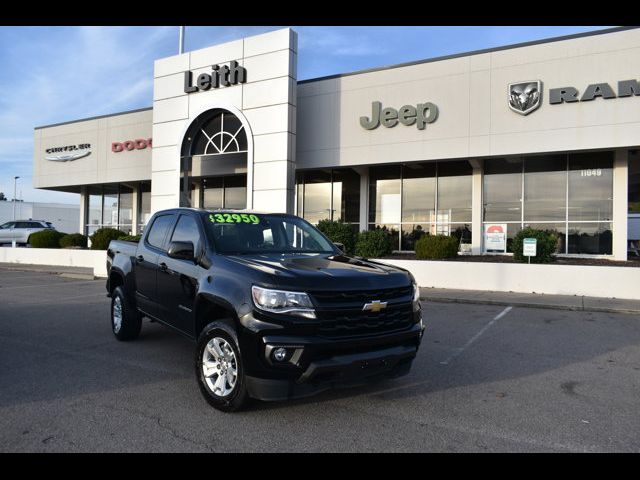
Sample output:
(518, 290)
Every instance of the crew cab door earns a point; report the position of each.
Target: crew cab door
(178, 278)
(145, 263)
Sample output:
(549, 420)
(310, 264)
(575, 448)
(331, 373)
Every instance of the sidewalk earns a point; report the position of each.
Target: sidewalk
(81, 273)
(531, 300)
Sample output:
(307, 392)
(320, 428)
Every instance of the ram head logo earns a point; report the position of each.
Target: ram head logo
(524, 97)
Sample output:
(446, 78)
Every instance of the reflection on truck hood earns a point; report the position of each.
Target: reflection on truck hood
(324, 271)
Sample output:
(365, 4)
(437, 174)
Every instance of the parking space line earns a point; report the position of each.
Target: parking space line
(476, 336)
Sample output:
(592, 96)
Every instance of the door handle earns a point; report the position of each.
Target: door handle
(140, 258)
(163, 267)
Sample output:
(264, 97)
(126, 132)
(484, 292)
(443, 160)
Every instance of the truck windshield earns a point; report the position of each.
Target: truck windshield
(244, 233)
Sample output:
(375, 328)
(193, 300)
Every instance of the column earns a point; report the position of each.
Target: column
(135, 209)
(364, 197)
(196, 193)
(476, 207)
(620, 204)
(84, 200)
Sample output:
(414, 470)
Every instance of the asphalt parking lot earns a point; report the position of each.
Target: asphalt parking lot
(487, 378)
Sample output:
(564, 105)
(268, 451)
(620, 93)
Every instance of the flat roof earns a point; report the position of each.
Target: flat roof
(474, 52)
(94, 118)
(398, 65)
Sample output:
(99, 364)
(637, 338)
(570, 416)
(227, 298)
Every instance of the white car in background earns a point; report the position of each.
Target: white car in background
(21, 230)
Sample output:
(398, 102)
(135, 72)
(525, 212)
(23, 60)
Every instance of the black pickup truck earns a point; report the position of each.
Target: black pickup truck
(277, 310)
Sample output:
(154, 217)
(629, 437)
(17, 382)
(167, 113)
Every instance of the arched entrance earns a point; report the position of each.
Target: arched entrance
(214, 161)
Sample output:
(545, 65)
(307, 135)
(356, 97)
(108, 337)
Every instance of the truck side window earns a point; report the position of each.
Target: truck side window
(187, 231)
(159, 230)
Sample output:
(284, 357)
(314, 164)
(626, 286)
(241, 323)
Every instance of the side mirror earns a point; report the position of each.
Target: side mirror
(340, 246)
(181, 250)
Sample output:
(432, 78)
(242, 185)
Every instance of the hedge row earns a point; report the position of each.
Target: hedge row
(369, 244)
(99, 240)
(377, 243)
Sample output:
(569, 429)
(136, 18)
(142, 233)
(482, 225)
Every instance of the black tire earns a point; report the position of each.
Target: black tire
(131, 320)
(237, 398)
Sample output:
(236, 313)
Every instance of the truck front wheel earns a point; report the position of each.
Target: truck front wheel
(126, 322)
(219, 368)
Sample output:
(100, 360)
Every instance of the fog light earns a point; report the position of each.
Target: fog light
(280, 354)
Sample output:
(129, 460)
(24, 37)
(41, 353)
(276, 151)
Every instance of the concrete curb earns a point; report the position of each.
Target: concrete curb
(549, 306)
(79, 273)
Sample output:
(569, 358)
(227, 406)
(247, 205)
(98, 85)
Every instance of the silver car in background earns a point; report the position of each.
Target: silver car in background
(21, 230)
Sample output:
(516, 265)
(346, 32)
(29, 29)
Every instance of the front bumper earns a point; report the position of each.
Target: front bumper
(343, 370)
(329, 364)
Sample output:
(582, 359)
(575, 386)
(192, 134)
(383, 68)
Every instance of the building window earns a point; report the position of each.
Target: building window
(224, 192)
(503, 190)
(109, 206)
(94, 210)
(331, 194)
(571, 194)
(144, 211)
(545, 188)
(215, 146)
(416, 199)
(125, 209)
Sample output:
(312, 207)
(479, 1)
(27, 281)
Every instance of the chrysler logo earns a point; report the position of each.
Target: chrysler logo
(374, 306)
(524, 97)
(68, 152)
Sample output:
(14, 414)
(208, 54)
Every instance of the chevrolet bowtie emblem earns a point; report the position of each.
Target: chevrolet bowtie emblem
(374, 306)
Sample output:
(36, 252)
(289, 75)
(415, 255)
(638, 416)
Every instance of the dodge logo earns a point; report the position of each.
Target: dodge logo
(524, 97)
(374, 306)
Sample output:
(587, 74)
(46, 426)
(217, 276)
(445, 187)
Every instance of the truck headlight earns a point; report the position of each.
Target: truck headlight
(416, 297)
(279, 301)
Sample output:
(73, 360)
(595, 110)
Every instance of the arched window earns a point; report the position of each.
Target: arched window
(215, 132)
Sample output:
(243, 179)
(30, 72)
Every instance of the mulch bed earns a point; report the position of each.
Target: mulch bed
(633, 261)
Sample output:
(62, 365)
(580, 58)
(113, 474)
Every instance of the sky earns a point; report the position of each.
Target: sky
(60, 74)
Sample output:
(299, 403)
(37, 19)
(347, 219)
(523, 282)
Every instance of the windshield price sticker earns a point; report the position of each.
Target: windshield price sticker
(234, 218)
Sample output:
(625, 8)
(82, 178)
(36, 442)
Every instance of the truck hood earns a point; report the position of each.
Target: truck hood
(323, 271)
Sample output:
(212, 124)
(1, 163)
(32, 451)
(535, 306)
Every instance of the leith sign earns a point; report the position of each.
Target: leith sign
(225, 76)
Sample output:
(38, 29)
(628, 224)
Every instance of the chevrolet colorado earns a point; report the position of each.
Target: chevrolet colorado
(277, 311)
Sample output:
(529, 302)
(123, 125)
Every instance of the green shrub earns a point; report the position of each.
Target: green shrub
(131, 238)
(101, 237)
(546, 247)
(436, 247)
(46, 239)
(339, 232)
(374, 244)
(73, 240)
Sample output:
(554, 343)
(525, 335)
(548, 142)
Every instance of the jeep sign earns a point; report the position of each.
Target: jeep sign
(407, 115)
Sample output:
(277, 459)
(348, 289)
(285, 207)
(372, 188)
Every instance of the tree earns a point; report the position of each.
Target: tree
(2, 197)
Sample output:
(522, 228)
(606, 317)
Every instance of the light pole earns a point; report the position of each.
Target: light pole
(15, 181)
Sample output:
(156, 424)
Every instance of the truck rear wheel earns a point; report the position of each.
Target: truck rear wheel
(219, 368)
(126, 322)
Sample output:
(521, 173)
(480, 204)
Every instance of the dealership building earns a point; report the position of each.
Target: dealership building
(477, 145)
